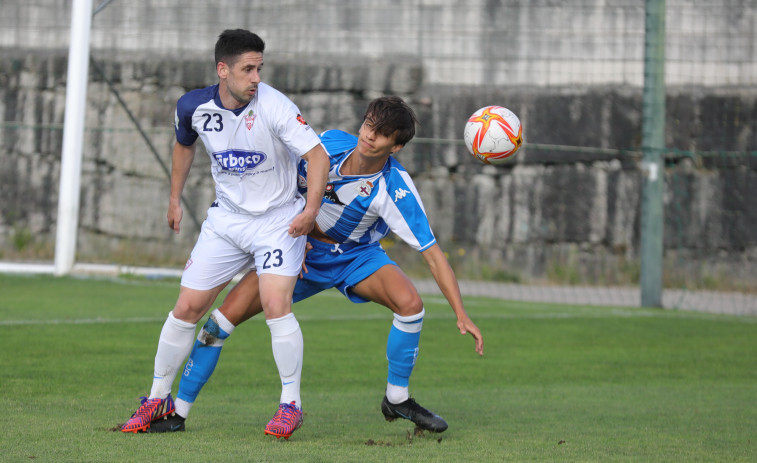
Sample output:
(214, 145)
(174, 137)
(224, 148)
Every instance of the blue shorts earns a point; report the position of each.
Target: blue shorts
(339, 266)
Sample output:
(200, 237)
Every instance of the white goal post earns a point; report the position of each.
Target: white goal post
(73, 135)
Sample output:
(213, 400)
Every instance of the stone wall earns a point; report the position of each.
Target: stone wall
(473, 42)
(552, 210)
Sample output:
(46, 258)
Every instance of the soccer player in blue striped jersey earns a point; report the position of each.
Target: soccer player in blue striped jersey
(368, 195)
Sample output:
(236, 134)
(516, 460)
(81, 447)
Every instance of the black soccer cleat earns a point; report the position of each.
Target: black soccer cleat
(171, 423)
(410, 410)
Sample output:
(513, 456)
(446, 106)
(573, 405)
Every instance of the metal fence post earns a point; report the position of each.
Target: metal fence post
(653, 145)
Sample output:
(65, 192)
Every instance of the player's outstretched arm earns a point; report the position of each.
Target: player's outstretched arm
(317, 176)
(181, 162)
(447, 282)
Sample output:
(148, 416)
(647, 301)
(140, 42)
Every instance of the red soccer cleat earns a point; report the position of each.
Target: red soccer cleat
(149, 411)
(286, 420)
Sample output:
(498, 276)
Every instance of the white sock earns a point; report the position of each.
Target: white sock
(287, 345)
(396, 394)
(222, 321)
(175, 343)
(182, 407)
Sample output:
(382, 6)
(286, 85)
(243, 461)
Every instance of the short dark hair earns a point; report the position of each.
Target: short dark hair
(234, 42)
(390, 115)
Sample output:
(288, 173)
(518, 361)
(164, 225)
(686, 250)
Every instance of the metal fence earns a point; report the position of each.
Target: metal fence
(566, 47)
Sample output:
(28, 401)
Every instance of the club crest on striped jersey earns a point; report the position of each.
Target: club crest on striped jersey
(239, 161)
(249, 119)
(364, 188)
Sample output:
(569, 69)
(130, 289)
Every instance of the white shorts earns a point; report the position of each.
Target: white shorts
(230, 243)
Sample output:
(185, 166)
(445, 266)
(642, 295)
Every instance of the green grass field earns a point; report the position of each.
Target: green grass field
(556, 383)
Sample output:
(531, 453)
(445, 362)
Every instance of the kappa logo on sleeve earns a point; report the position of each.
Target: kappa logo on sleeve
(239, 161)
(400, 193)
(301, 120)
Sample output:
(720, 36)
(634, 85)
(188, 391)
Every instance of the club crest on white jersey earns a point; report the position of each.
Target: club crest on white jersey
(249, 119)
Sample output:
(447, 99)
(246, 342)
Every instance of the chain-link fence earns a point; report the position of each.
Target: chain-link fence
(560, 222)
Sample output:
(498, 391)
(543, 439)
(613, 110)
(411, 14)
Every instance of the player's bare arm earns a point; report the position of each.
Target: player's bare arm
(317, 176)
(181, 163)
(447, 282)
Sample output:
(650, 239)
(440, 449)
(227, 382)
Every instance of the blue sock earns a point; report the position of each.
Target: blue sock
(402, 347)
(204, 357)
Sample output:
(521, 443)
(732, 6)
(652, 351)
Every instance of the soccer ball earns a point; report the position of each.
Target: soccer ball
(493, 134)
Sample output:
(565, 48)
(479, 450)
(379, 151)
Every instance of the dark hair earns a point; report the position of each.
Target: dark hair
(392, 116)
(234, 42)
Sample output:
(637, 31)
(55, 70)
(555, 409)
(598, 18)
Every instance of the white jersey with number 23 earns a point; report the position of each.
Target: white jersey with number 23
(253, 150)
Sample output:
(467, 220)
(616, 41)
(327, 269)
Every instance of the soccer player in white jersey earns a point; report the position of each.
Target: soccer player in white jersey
(368, 194)
(255, 137)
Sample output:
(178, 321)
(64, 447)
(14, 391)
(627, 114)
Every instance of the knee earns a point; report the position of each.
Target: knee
(187, 312)
(275, 307)
(192, 304)
(411, 304)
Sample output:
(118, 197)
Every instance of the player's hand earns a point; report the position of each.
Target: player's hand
(302, 224)
(174, 216)
(466, 326)
(308, 247)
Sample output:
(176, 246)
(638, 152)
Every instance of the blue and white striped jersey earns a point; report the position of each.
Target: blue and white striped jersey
(364, 208)
(254, 151)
